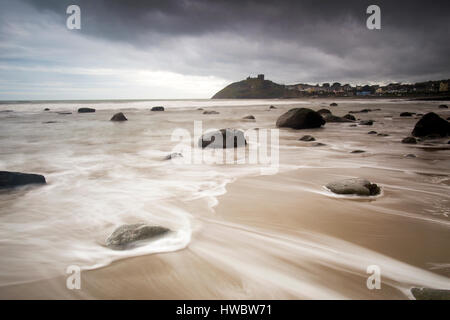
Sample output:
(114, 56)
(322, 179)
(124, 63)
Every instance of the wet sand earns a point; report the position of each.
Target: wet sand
(284, 236)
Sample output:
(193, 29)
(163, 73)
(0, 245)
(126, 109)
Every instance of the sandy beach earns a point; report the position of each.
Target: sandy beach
(239, 234)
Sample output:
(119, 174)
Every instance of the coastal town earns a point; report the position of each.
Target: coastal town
(391, 90)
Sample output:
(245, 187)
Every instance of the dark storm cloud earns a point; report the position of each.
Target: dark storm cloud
(289, 40)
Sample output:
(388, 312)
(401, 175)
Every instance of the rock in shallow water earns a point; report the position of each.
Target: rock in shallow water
(366, 123)
(127, 236)
(332, 118)
(431, 124)
(430, 294)
(157, 109)
(86, 110)
(210, 112)
(409, 140)
(357, 186)
(222, 139)
(173, 156)
(249, 118)
(14, 179)
(300, 118)
(307, 138)
(119, 117)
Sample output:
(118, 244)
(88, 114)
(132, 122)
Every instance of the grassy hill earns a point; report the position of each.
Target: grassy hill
(252, 88)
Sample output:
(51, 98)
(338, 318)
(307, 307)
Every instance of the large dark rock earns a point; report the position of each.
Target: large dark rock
(85, 110)
(119, 117)
(431, 124)
(332, 118)
(300, 118)
(14, 179)
(130, 235)
(358, 186)
(222, 139)
(430, 294)
(157, 109)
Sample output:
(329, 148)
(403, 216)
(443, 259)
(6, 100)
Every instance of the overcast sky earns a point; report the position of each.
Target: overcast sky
(192, 48)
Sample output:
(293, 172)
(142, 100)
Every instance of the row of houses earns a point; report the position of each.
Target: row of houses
(398, 89)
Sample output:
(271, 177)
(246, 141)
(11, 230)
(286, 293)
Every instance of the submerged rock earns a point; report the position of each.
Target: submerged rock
(272, 107)
(357, 186)
(406, 114)
(430, 294)
(366, 123)
(410, 156)
(358, 151)
(119, 117)
(373, 132)
(318, 144)
(332, 118)
(307, 138)
(383, 135)
(86, 110)
(210, 112)
(173, 155)
(224, 138)
(324, 111)
(249, 118)
(64, 112)
(159, 108)
(46, 109)
(334, 104)
(127, 235)
(14, 179)
(348, 116)
(300, 118)
(431, 124)
(443, 106)
(409, 140)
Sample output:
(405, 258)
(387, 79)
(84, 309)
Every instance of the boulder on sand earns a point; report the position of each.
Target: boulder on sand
(119, 117)
(431, 124)
(14, 179)
(430, 294)
(86, 110)
(357, 186)
(157, 109)
(300, 118)
(307, 138)
(126, 236)
(222, 139)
